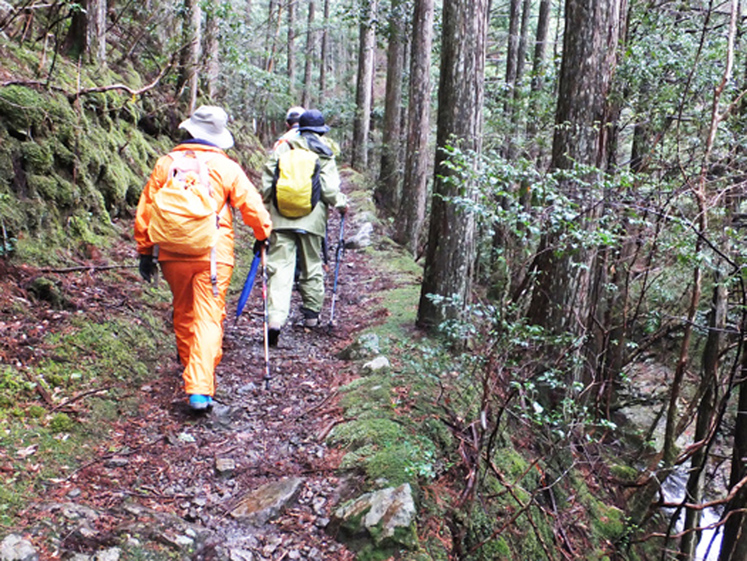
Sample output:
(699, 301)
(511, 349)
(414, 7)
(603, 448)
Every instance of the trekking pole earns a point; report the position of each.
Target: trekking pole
(266, 318)
(338, 259)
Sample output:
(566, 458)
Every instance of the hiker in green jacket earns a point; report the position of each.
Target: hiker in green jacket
(297, 241)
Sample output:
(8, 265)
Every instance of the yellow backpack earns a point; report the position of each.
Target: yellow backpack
(184, 217)
(296, 187)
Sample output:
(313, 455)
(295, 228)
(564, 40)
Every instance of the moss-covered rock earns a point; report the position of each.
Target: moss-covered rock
(61, 422)
(21, 110)
(37, 157)
(46, 289)
(378, 523)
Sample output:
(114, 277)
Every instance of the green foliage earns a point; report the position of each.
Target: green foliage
(13, 387)
(61, 423)
(383, 447)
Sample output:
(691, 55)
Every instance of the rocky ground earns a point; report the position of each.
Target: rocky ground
(188, 483)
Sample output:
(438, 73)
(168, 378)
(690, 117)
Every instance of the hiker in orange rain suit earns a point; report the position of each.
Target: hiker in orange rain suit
(198, 314)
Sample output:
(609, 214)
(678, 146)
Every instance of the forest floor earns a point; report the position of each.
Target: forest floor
(168, 479)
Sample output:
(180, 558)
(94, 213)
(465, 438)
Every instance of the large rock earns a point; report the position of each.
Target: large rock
(268, 501)
(386, 517)
(15, 548)
(362, 237)
(376, 365)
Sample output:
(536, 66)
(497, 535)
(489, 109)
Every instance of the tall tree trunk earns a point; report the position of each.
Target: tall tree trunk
(363, 98)
(538, 74)
(606, 304)
(417, 157)
(97, 31)
(560, 292)
(450, 252)
(505, 239)
(325, 52)
(272, 32)
(540, 46)
(189, 61)
(310, 48)
(512, 50)
(291, 49)
(521, 52)
(387, 188)
(212, 48)
(76, 40)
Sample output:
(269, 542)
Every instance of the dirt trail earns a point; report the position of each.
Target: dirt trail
(170, 461)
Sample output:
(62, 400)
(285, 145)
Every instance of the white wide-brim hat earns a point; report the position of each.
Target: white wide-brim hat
(209, 123)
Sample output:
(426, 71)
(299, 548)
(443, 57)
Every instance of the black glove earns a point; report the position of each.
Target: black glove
(259, 244)
(147, 267)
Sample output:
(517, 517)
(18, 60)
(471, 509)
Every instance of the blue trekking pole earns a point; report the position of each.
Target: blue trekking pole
(248, 284)
(338, 259)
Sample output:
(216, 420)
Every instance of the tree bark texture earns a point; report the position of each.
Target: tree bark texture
(325, 52)
(560, 299)
(417, 157)
(212, 53)
(275, 15)
(306, 100)
(538, 76)
(449, 256)
(75, 44)
(97, 31)
(387, 188)
(364, 85)
(190, 55)
(513, 46)
(291, 49)
(540, 46)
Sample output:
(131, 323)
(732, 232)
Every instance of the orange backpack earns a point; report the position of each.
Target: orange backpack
(184, 217)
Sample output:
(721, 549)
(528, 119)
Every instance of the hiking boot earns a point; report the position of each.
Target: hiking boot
(310, 318)
(198, 402)
(272, 337)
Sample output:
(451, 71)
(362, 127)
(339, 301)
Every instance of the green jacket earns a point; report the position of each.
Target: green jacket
(316, 221)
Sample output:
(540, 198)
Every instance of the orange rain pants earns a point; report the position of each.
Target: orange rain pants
(198, 320)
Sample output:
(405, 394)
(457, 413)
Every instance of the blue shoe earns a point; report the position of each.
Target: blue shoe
(200, 402)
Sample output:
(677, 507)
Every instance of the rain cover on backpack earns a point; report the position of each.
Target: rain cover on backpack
(296, 187)
(184, 217)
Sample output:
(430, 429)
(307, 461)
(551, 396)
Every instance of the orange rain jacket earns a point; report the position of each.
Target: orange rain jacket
(198, 315)
(229, 183)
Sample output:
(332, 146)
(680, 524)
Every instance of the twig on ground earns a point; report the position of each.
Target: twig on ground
(79, 396)
(86, 268)
(314, 407)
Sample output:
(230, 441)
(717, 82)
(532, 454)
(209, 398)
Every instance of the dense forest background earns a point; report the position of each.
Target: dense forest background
(569, 174)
